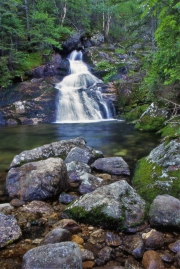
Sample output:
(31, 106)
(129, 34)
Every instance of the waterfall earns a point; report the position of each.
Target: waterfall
(79, 97)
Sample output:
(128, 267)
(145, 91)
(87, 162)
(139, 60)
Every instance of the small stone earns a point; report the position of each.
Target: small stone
(88, 264)
(90, 228)
(66, 199)
(153, 239)
(37, 241)
(87, 255)
(177, 259)
(57, 235)
(97, 236)
(104, 255)
(175, 247)
(28, 241)
(166, 257)
(69, 225)
(77, 239)
(152, 260)
(105, 177)
(6, 208)
(38, 207)
(17, 202)
(112, 240)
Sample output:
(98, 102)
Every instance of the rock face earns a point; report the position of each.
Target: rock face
(115, 205)
(29, 102)
(57, 66)
(81, 41)
(9, 230)
(159, 173)
(152, 119)
(37, 180)
(58, 255)
(165, 211)
(113, 166)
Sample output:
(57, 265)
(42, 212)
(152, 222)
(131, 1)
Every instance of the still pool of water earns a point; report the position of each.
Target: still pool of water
(113, 138)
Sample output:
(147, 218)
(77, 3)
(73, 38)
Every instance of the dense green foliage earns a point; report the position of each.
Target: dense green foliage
(29, 28)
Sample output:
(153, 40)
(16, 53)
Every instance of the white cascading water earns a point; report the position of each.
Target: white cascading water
(79, 98)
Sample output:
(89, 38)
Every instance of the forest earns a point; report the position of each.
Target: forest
(30, 29)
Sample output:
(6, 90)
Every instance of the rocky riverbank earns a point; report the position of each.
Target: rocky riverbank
(70, 206)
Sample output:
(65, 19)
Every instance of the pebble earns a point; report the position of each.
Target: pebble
(175, 247)
(152, 260)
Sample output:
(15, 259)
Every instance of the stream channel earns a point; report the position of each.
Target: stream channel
(112, 137)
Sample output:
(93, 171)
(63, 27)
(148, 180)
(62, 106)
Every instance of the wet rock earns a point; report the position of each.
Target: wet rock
(79, 176)
(166, 257)
(152, 260)
(177, 259)
(112, 239)
(77, 239)
(104, 255)
(37, 180)
(84, 155)
(92, 248)
(66, 199)
(57, 66)
(88, 264)
(17, 202)
(153, 239)
(9, 230)
(89, 183)
(132, 264)
(56, 255)
(32, 102)
(134, 245)
(69, 225)
(97, 237)
(6, 208)
(55, 149)
(175, 247)
(57, 235)
(87, 255)
(113, 166)
(114, 205)
(38, 207)
(75, 171)
(165, 211)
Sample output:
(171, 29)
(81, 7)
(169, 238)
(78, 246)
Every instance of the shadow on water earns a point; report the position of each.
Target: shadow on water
(113, 138)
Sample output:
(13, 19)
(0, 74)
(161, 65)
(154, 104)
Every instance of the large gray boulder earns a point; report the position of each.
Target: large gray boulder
(113, 166)
(54, 256)
(56, 149)
(165, 211)
(9, 230)
(85, 155)
(37, 180)
(115, 205)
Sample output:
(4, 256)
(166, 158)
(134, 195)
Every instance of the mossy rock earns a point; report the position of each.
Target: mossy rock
(135, 113)
(151, 179)
(170, 131)
(152, 119)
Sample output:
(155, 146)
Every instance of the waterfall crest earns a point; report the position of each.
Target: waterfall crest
(79, 97)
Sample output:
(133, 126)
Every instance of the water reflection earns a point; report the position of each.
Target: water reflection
(114, 138)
